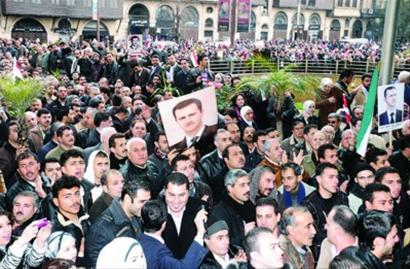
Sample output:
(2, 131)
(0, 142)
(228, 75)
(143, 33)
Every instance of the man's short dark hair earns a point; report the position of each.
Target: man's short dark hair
(251, 240)
(404, 142)
(372, 155)
(153, 215)
(48, 160)
(388, 89)
(72, 153)
(371, 189)
(201, 56)
(345, 218)
(177, 159)
(62, 129)
(225, 153)
(322, 149)
(309, 127)
(257, 134)
(100, 117)
(268, 201)
(25, 155)
(65, 182)
(320, 168)
(178, 179)
(131, 187)
(296, 122)
(346, 73)
(373, 224)
(366, 76)
(382, 172)
(111, 140)
(42, 111)
(231, 113)
(158, 135)
(186, 103)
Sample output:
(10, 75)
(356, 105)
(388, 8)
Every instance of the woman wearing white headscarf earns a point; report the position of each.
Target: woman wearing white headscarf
(247, 118)
(308, 114)
(61, 245)
(102, 165)
(329, 99)
(122, 252)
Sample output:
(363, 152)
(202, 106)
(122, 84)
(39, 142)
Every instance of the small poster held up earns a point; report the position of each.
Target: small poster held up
(390, 99)
(190, 119)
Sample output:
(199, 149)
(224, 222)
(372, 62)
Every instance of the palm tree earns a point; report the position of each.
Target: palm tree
(17, 95)
(279, 80)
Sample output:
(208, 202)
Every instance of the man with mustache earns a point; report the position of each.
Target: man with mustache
(65, 138)
(118, 148)
(297, 233)
(235, 208)
(25, 206)
(29, 179)
(69, 216)
(322, 200)
(189, 116)
(38, 133)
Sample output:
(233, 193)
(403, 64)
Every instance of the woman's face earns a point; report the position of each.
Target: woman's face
(228, 80)
(327, 88)
(249, 115)
(218, 79)
(5, 230)
(240, 101)
(139, 130)
(67, 250)
(136, 258)
(311, 109)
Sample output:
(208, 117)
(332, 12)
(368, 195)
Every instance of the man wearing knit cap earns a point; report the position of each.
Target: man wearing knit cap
(221, 253)
(364, 175)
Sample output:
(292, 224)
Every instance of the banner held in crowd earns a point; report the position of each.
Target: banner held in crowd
(390, 107)
(190, 119)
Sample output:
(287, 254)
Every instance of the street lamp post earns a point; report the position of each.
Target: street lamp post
(233, 23)
(389, 37)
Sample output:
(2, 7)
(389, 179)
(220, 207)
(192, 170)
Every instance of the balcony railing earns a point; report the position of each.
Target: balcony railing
(307, 66)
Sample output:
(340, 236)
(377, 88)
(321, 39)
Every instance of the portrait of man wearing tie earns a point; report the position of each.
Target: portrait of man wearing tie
(392, 113)
(189, 116)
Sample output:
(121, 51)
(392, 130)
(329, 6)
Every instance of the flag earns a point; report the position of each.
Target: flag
(346, 110)
(362, 138)
(194, 58)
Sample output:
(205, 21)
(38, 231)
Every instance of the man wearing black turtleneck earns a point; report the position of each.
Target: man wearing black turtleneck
(118, 148)
(321, 201)
(235, 208)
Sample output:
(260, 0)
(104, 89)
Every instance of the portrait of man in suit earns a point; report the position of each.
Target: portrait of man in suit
(189, 116)
(392, 113)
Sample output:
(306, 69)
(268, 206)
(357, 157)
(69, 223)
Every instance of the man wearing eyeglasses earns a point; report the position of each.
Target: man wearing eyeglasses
(364, 176)
(334, 120)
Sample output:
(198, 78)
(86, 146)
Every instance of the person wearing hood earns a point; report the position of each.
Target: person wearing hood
(98, 164)
(122, 252)
(247, 118)
(329, 99)
(61, 245)
(262, 184)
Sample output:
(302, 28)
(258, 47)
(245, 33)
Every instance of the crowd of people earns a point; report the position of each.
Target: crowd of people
(96, 185)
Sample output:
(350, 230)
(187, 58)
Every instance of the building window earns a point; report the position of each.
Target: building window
(347, 3)
(303, 2)
(70, 2)
(339, 3)
(209, 10)
(347, 23)
(354, 3)
(55, 2)
(346, 33)
(209, 22)
(209, 34)
(312, 3)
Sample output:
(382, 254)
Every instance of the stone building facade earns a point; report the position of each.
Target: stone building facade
(51, 20)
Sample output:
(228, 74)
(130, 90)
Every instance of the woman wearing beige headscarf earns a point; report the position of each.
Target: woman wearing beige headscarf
(329, 99)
